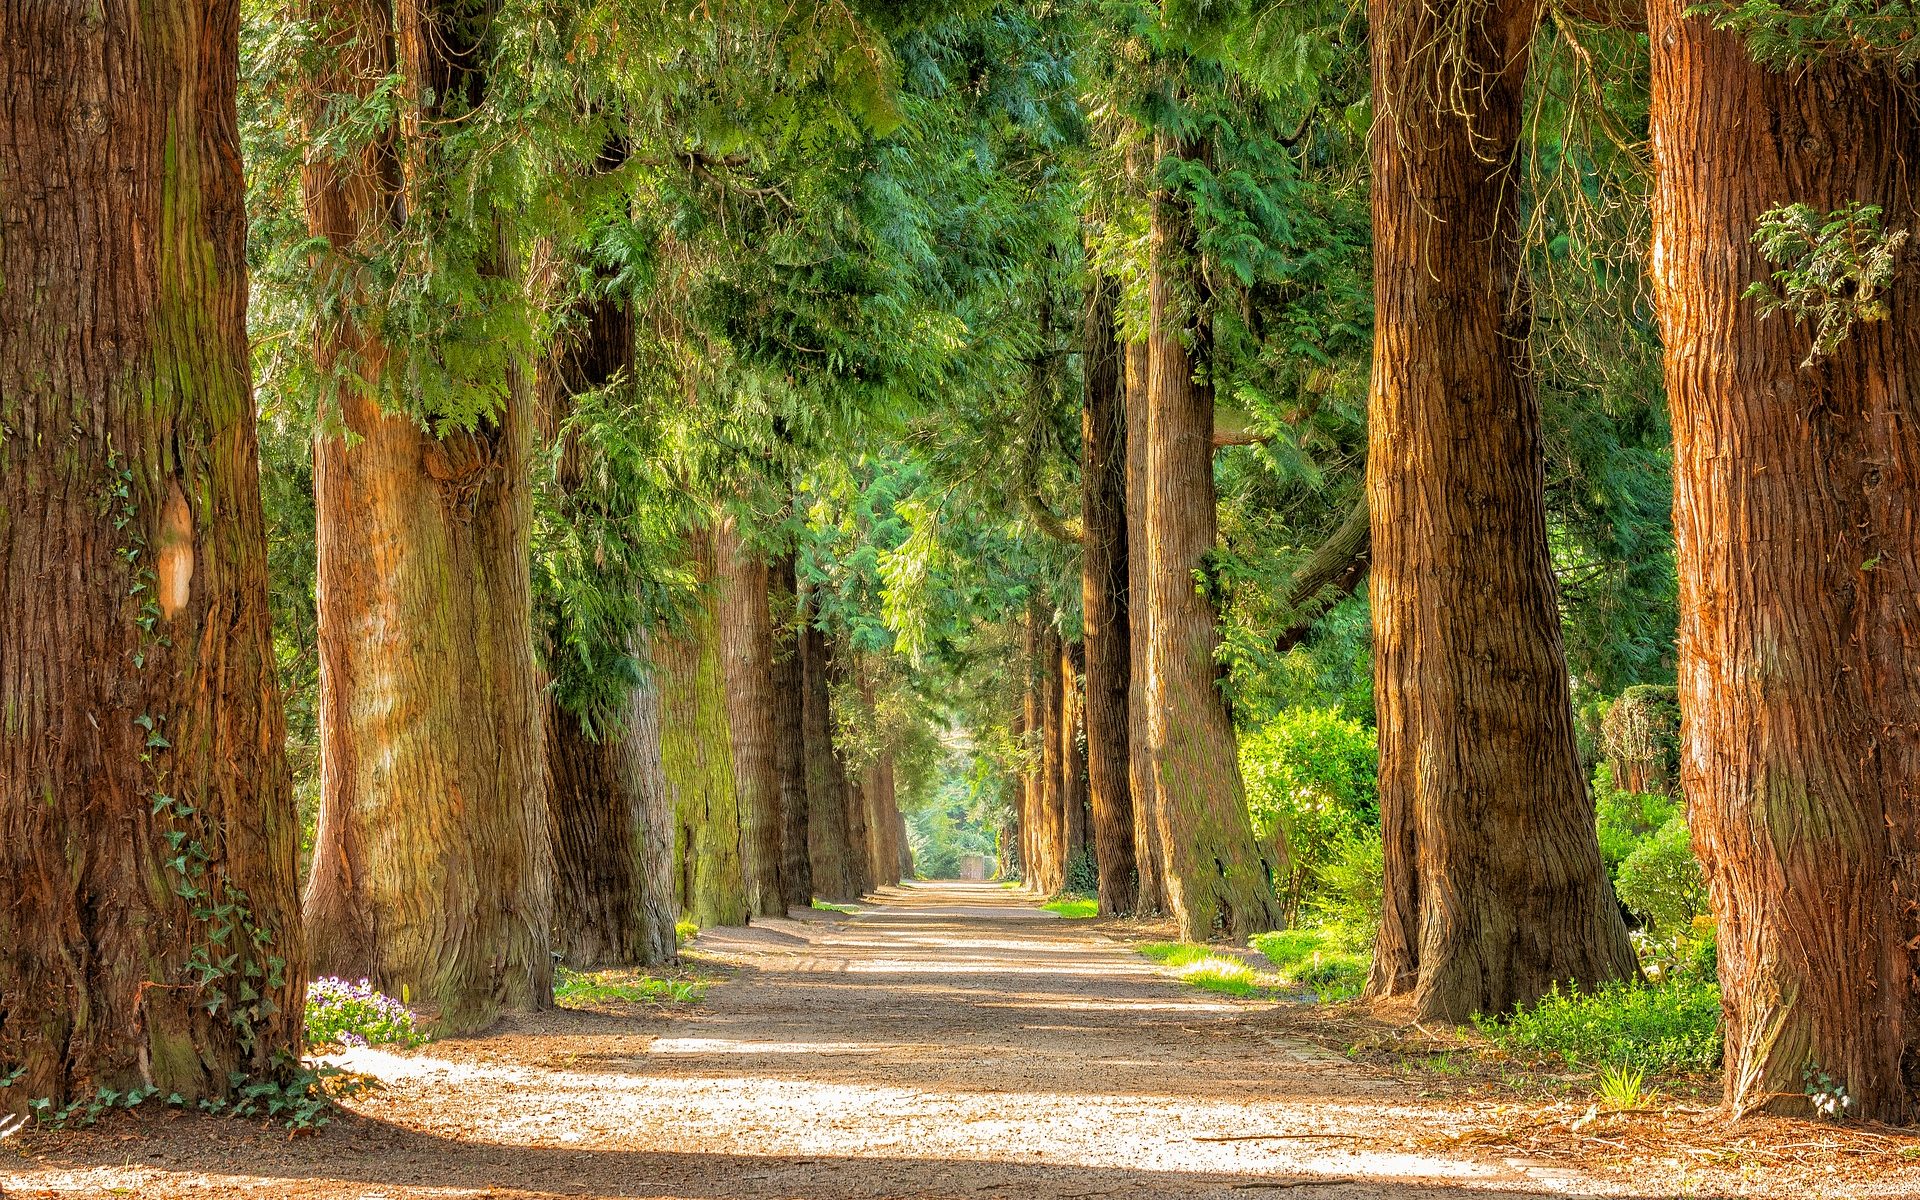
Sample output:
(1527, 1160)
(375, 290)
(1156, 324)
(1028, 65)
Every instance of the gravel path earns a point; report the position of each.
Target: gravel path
(950, 1040)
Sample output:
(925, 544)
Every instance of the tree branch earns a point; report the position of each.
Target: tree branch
(1339, 563)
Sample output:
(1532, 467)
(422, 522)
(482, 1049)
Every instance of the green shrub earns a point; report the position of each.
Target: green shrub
(1310, 778)
(1347, 904)
(1674, 1027)
(1083, 873)
(1626, 819)
(1660, 881)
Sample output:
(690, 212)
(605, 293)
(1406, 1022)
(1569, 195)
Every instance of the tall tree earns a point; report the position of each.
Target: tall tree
(432, 815)
(1104, 579)
(148, 932)
(746, 638)
(1796, 481)
(790, 746)
(1494, 885)
(696, 750)
(829, 843)
(1218, 881)
(1150, 852)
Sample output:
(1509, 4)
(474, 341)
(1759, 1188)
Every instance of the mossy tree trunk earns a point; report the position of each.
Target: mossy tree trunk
(1104, 578)
(1218, 880)
(1047, 868)
(696, 752)
(433, 866)
(1149, 852)
(1796, 490)
(1076, 817)
(790, 747)
(839, 672)
(146, 819)
(829, 844)
(1494, 885)
(746, 638)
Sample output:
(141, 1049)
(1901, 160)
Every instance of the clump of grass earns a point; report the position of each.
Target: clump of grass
(1073, 907)
(1207, 970)
(830, 906)
(585, 989)
(1674, 1027)
(1315, 959)
(684, 932)
(1623, 1086)
(353, 1014)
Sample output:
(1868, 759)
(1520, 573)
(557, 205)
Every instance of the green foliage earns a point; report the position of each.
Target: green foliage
(1833, 269)
(684, 932)
(1660, 881)
(830, 906)
(1796, 33)
(1626, 819)
(1310, 781)
(1206, 969)
(588, 989)
(1352, 889)
(1623, 1086)
(1674, 1027)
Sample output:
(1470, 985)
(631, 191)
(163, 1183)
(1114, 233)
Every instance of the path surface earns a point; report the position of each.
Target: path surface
(950, 1041)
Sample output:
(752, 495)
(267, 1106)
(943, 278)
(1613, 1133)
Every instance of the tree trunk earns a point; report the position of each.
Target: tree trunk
(790, 747)
(1149, 852)
(1049, 865)
(746, 633)
(829, 843)
(903, 845)
(612, 820)
(1795, 491)
(1103, 523)
(1078, 841)
(1218, 880)
(696, 753)
(147, 828)
(1494, 884)
(859, 835)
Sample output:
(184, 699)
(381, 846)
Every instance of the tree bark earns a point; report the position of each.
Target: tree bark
(1049, 865)
(859, 831)
(1218, 880)
(1494, 885)
(1149, 852)
(143, 780)
(1103, 591)
(1795, 491)
(433, 866)
(746, 632)
(612, 821)
(829, 843)
(790, 747)
(1073, 757)
(696, 753)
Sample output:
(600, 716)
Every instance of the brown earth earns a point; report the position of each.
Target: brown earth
(950, 1040)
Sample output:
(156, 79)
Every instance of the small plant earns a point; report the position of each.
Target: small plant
(1828, 1095)
(1833, 269)
(1674, 1027)
(340, 1013)
(577, 989)
(1073, 907)
(1623, 1086)
(686, 931)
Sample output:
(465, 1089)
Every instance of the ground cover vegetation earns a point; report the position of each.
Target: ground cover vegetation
(1422, 491)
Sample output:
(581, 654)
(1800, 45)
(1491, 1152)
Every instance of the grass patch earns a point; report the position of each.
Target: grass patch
(684, 932)
(1671, 1028)
(830, 906)
(588, 989)
(1076, 908)
(1315, 959)
(1207, 970)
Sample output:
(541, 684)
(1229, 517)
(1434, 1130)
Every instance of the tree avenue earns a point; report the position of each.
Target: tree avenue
(1417, 495)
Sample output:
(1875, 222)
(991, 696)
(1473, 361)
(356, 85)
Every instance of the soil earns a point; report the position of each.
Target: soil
(951, 1040)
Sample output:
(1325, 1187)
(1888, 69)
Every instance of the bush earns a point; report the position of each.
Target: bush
(1347, 904)
(340, 1013)
(1626, 819)
(1661, 882)
(1675, 1027)
(1083, 873)
(1310, 778)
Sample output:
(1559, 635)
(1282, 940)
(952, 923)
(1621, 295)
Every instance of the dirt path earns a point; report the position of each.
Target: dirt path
(950, 1041)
